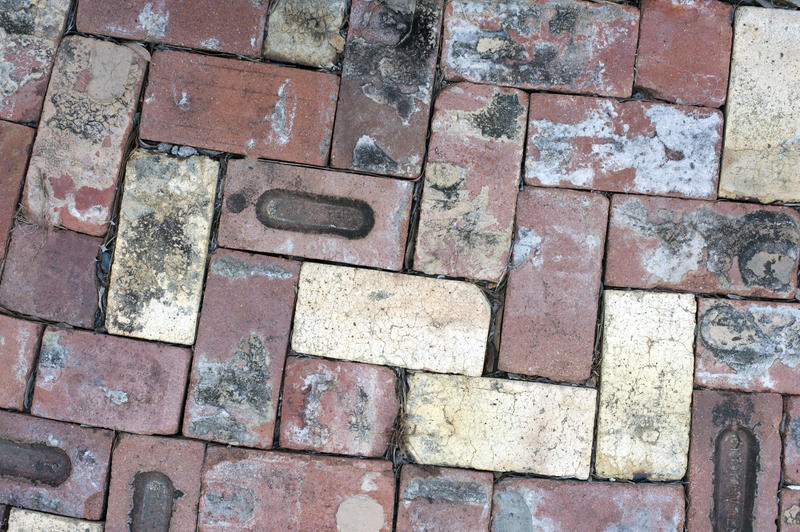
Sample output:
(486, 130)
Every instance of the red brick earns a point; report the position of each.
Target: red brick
(333, 216)
(685, 50)
(789, 519)
(256, 109)
(729, 248)
(554, 283)
(471, 182)
(387, 82)
(538, 504)
(51, 275)
(754, 420)
(15, 145)
(791, 449)
(240, 349)
(258, 490)
(135, 460)
(81, 493)
(108, 381)
(633, 146)
(18, 343)
(338, 407)
(233, 26)
(560, 45)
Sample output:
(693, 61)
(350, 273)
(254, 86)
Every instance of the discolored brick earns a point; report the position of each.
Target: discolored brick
(20, 520)
(789, 516)
(306, 31)
(18, 342)
(15, 145)
(791, 449)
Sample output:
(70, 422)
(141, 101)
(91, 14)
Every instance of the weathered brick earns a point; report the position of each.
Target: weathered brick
(791, 449)
(15, 145)
(160, 253)
(789, 518)
(539, 504)
(306, 31)
(438, 499)
(338, 407)
(546, 429)
(318, 214)
(155, 484)
(389, 318)
(18, 343)
(561, 45)
(20, 520)
(256, 109)
(633, 146)
(386, 88)
(729, 248)
(108, 381)
(240, 350)
(52, 466)
(471, 182)
(762, 132)
(87, 117)
(29, 34)
(258, 490)
(233, 26)
(550, 311)
(734, 461)
(50, 274)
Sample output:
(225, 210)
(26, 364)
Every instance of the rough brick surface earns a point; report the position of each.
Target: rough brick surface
(15, 145)
(633, 146)
(20, 520)
(729, 248)
(240, 350)
(791, 449)
(111, 382)
(256, 109)
(257, 490)
(550, 309)
(789, 517)
(306, 32)
(318, 214)
(18, 342)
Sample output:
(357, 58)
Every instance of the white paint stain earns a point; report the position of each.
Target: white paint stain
(359, 513)
(282, 118)
(118, 397)
(212, 43)
(153, 21)
(368, 481)
(527, 246)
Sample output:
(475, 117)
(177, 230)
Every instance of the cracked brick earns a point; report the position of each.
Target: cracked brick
(15, 145)
(18, 342)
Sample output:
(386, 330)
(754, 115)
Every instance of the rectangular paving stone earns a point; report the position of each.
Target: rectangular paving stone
(15, 146)
(20, 520)
(258, 490)
(387, 82)
(550, 312)
(471, 182)
(255, 109)
(317, 214)
(734, 461)
(392, 319)
(83, 134)
(18, 344)
(697, 246)
(633, 146)
(762, 132)
(559, 45)
(645, 385)
(75, 461)
(499, 425)
(108, 381)
(308, 32)
(789, 516)
(160, 253)
(240, 349)
(791, 448)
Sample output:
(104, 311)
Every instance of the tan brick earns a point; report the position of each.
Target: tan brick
(306, 32)
(20, 520)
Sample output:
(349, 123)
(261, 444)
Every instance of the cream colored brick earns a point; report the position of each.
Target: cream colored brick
(306, 31)
(391, 318)
(500, 425)
(645, 385)
(29, 521)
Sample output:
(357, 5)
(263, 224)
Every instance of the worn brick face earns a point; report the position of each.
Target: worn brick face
(18, 342)
(306, 31)
(15, 146)
(791, 449)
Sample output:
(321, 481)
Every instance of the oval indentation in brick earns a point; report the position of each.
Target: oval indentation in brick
(35, 462)
(153, 495)
(735, 468)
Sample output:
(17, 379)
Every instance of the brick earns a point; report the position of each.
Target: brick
(306, 31)
(86, 120)
(550, 311)
(762, 132)
(317, 214)
(789, 517)
(160, 253)
(471, 182)
(110, 382)
(155, 484)
(240, 350)
(234, 26)
(18, 343)
(15, 145)
(20, 520)
(258, 490)
(633, 146)
(645, 385)
(728, 248)
(559, 45)
(76, 460)
(438, 499)
(256, 109)
(30, 34)
(387, 82)
(791, 449)
(38, 265)
(338, 407)
(391, 319)
(547, 429)
(734, 461)
(540, 504)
